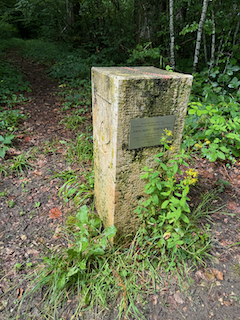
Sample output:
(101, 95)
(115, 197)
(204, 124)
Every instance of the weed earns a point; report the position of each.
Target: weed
(205, 207)
(85, 254)
(50, 146)
(20, 163)
(9, 119)
(4, 144)
(221, 184)
(235, 298)
(236, 269)
(10, 203)
(75, 120)
(165, 215)
(3, 170)
(37, 204)
(77, 190)
(65, 174)
(17, 266)
(11, 82)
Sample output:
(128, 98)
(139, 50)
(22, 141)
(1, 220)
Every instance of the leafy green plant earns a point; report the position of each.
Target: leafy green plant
(86, 250)
(11, 203)
(9, 119)
(37, 204)
(214, 129)
(147, 54)
(4, 144)
(11, 82)
(165, 215)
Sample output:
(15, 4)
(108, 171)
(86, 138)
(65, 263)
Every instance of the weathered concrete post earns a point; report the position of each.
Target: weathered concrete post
(131, 108)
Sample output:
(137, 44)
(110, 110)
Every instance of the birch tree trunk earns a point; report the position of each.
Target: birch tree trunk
(213, 42)
(199, 35)
(205, 48)
(172, 59)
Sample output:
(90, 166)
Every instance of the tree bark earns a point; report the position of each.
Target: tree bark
(213, 42)
(199, 35)
(172, 58)
(205, 48)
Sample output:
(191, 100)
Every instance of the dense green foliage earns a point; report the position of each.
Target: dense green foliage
(138, 30)
(10, 83)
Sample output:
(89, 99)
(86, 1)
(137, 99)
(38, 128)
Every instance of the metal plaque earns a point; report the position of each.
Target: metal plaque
(147, 132)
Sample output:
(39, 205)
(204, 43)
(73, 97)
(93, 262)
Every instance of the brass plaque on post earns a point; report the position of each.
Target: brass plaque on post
(147, 132)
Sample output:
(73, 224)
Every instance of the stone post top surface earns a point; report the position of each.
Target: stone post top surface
(139, 72)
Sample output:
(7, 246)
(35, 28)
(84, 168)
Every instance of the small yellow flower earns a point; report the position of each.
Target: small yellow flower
(192, 176)
(192, 181)
(168, 132)
(207, 142)
(198, 146)
(195, 174)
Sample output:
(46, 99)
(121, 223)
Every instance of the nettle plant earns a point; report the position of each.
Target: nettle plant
(167, 224)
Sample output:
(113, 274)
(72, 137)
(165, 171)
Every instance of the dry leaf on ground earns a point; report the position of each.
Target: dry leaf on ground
(178, 297)
(57, 233)
(19, 293)
(227, 303)
(27, 138)
(218, 274)
(54, 213)
(23, 237)
(37, 172)
(172, 302)
(33, 252)
(232, 205)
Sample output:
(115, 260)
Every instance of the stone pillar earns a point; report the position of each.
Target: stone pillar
(121, 94)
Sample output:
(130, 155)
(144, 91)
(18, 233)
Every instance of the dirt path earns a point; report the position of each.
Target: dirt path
(31, 199)
(30, 212)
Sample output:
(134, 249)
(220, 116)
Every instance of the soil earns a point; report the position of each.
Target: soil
(31, 212)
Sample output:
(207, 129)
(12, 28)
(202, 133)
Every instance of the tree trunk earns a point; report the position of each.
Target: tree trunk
(172, 59)
(205, 48)
(213, 42)
(199, 34)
